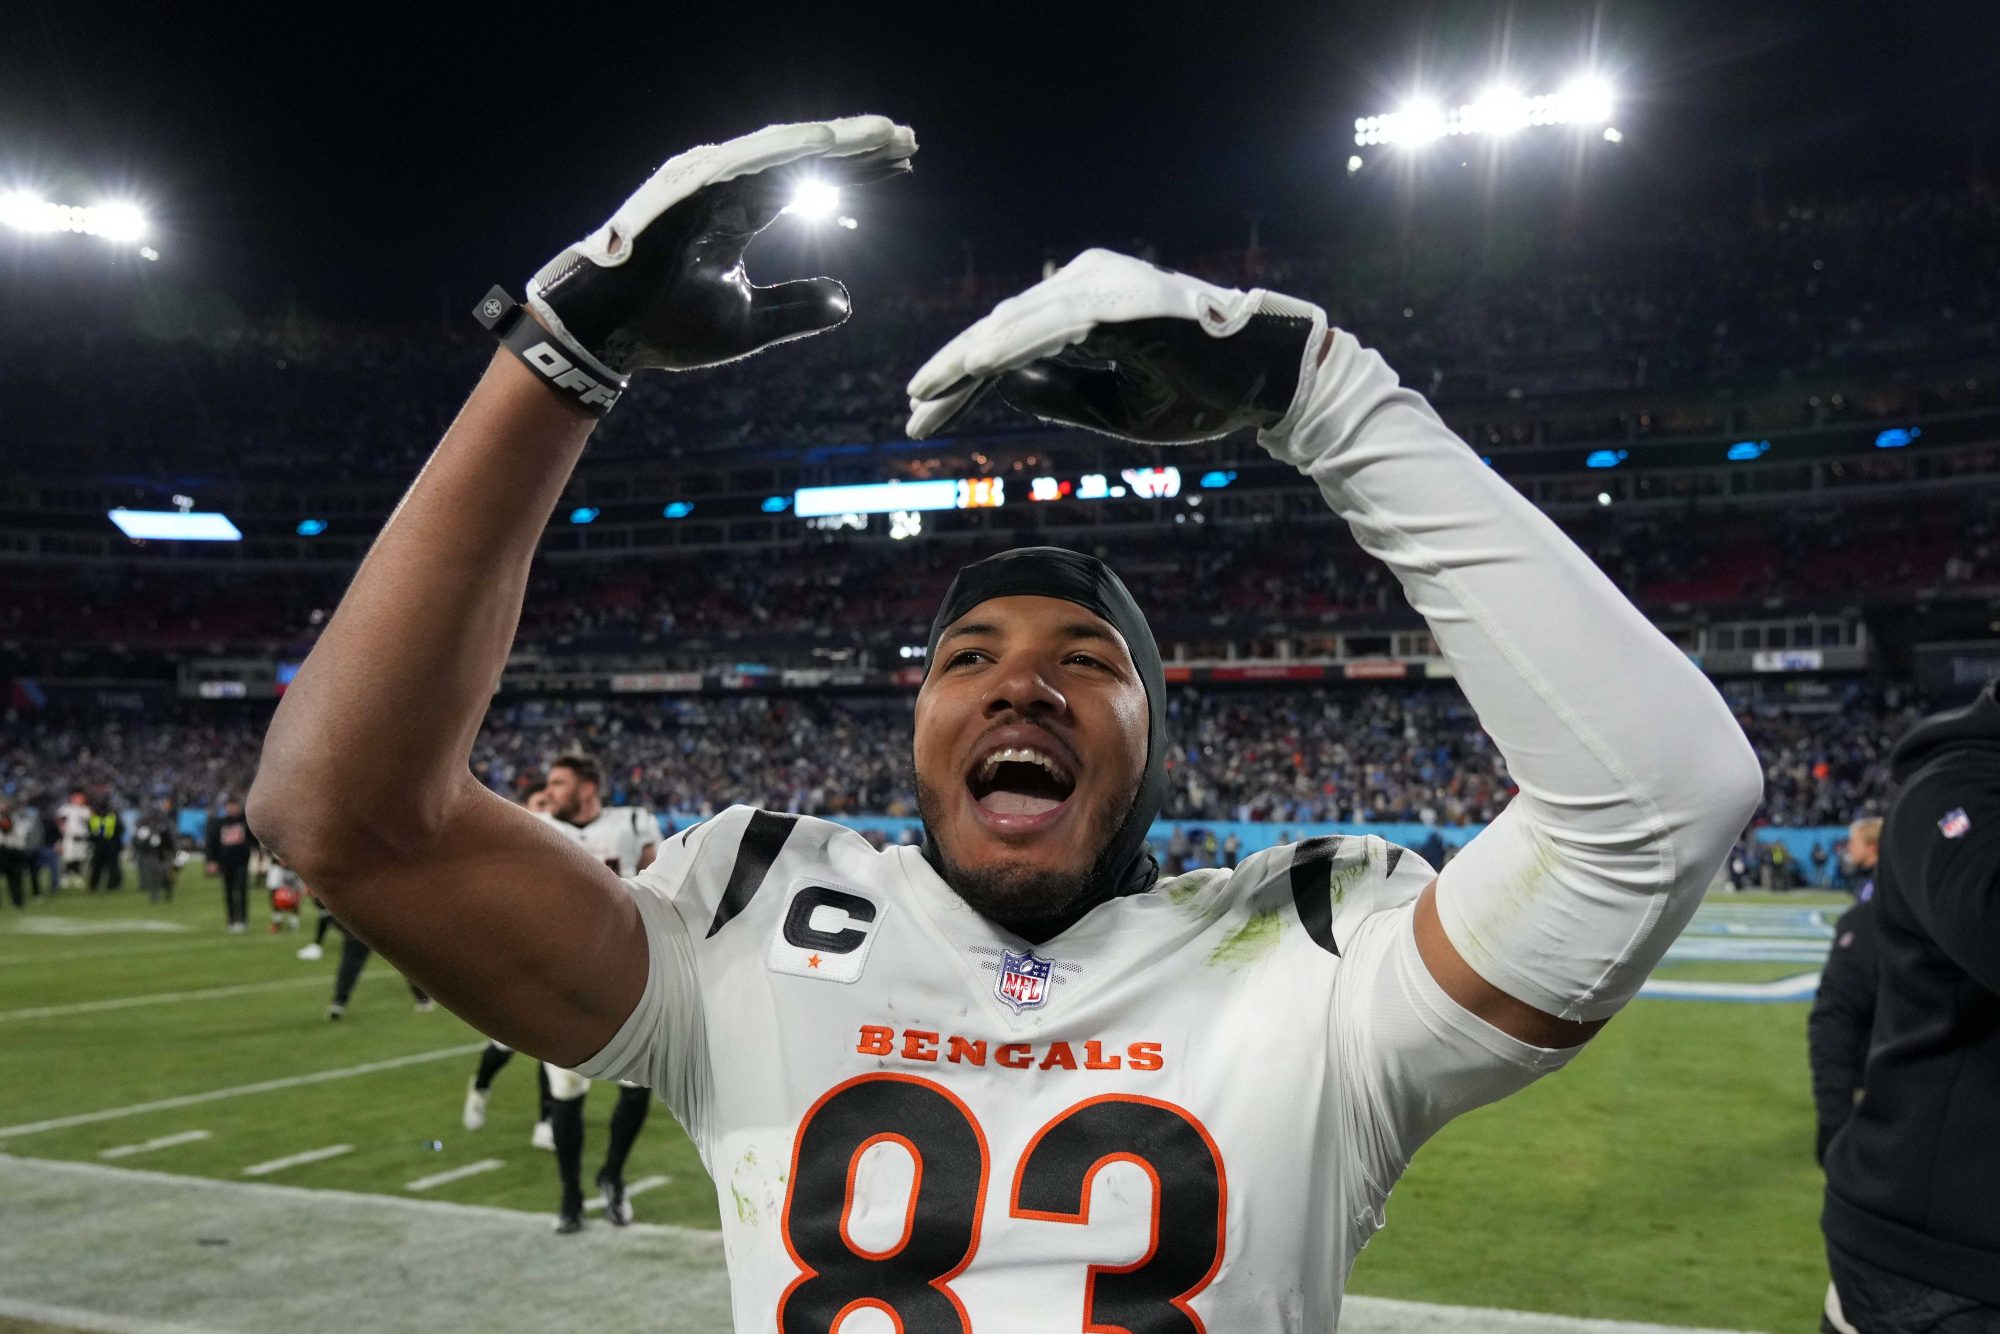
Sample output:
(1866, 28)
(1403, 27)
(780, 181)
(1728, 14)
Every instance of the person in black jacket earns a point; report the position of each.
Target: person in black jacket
(229, 846)
(1912, 1215)
(154, 843)
(1844, 1010)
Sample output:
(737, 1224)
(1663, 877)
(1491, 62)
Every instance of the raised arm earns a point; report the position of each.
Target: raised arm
(364, 785)
(1633, 776)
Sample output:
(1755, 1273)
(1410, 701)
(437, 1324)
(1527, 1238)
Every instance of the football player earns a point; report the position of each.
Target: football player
(494, 1059)
(73, 823)
(625, 839)
(1013, 1079)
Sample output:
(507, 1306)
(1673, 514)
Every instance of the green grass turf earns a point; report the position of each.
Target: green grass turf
(81, 1063)
(1667, 1175)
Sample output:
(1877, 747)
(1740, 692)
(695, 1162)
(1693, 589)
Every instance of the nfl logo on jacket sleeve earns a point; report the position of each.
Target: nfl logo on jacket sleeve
(1955, 824)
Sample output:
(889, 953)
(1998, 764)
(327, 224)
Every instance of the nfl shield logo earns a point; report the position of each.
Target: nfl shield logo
(1024, 980)
(1956, 824)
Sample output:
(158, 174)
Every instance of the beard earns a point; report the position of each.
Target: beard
(1014, 895)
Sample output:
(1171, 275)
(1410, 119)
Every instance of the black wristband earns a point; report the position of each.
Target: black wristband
(544, 354)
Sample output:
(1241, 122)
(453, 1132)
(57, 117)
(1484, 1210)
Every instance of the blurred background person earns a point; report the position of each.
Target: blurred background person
(155, 843)
(230, 844)
(107, 844)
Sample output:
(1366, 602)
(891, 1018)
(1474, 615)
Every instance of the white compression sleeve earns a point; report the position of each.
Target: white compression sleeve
(1634, 778)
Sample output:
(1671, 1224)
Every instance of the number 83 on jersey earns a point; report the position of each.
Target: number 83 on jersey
(904, 1269)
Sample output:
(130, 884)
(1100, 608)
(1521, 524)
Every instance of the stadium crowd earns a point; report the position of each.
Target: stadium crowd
(1413, 754)
(850, 592)
(1698, 308)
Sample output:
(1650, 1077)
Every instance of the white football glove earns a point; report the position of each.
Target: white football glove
(1121, 346)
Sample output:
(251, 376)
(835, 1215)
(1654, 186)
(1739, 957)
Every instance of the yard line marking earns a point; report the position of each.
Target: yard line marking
(640, 1186)
(164, 998)
(308, 1195)
(100, 1322)
(163, 1142)
(137, 951)
(87, 926)
(1390, 1314)
(239, 1091)
(297, 1160)
(455, 1174)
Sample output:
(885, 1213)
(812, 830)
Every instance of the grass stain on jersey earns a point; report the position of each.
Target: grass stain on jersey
(1183, 888)
(1248, 943)
(1344, 878)
(1512, 898)
(746, 1212)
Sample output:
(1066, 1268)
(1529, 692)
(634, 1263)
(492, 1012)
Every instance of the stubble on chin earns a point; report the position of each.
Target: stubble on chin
(1011, 891)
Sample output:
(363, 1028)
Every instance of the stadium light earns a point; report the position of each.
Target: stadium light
(311, 527)
(1499, 110)
(583, 514)
(25, 211)
(678, 509)
(815, 201)
(1586, 99)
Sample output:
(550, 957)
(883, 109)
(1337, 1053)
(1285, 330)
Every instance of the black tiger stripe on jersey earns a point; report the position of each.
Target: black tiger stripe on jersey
(1312, 889)
(1389, 862)
(763, 839)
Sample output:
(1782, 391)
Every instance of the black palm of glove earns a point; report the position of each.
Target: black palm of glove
(1124, 347)
(1164, 381)
(662, 283)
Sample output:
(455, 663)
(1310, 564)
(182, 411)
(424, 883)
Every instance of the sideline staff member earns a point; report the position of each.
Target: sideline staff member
(1912, 1218)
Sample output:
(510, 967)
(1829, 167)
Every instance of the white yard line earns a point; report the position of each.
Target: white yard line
(306, 1195)
(639, 1187)
(167, 998)
(99, 1322)
(455, 1174)
(163, 1142)
(297, 1160)
(137, 951)
(1386, 1315)
(239, 1091)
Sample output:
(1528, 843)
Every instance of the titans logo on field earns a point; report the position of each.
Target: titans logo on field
(1024, 980)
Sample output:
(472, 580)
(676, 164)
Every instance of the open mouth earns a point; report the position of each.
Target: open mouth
(1020, 781)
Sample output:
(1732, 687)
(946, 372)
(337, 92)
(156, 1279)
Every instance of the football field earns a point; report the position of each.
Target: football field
(1665, 1177)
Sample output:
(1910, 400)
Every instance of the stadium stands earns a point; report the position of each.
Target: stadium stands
(1811, 317)
(1412, 754)
(1654, 332)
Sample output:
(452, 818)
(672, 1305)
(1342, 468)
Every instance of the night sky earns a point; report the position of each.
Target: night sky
(384, 162)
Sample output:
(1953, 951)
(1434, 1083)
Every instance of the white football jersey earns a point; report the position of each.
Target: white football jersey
(1185, 1112)
(73, 820)
(617, 837)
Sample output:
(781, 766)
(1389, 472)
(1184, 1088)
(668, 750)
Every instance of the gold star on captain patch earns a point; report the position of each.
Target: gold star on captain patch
(812, 961)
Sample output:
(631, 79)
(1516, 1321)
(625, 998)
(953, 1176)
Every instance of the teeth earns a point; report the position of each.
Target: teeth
(1022, 755)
